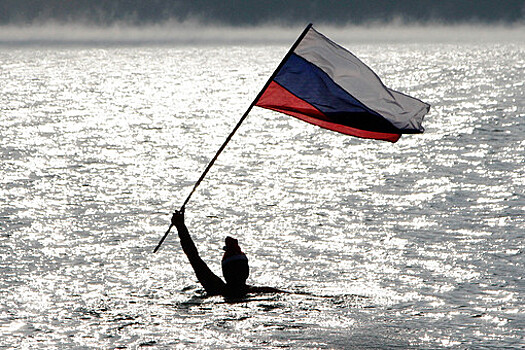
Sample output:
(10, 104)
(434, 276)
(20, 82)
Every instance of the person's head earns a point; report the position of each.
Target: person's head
(231, 245)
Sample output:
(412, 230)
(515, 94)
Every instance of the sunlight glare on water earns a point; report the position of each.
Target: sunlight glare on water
(413, 244)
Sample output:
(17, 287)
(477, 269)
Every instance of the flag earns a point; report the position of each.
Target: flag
(324, 84)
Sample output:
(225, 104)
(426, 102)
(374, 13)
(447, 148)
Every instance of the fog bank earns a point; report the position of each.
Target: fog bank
(193, 33)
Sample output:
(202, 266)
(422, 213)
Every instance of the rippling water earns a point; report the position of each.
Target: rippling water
(418, 244)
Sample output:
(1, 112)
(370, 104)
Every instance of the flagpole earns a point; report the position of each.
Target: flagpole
(288, 54)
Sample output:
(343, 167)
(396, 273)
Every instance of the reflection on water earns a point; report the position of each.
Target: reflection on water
(413, 244)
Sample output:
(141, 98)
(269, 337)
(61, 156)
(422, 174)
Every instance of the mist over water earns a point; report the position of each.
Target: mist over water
(195, 33)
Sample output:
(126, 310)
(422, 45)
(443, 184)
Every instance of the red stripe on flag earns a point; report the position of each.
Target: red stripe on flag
(277, 98)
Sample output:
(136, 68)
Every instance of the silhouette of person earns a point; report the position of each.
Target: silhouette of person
(235, 268)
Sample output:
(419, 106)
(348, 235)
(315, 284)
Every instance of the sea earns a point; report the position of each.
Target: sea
(417, 244)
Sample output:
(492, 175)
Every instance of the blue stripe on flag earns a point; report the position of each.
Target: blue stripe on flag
(311, 84)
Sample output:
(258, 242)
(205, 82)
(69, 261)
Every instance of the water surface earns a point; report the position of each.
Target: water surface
(417, 244)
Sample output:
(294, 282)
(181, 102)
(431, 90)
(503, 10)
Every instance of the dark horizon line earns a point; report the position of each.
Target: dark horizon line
(365, 23)
(253, 13)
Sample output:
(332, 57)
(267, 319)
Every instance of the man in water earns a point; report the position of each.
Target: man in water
(235, 267)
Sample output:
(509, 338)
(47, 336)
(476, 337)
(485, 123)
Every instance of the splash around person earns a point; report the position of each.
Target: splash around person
(235, 268)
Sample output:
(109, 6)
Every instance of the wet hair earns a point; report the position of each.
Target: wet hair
(231, 244)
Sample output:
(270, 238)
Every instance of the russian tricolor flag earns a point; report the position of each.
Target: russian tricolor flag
(321, 83)
(324, 84)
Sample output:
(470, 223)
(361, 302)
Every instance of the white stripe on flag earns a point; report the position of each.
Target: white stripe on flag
(361, 82)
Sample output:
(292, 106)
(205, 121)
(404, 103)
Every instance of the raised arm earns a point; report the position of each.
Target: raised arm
(213, 284)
